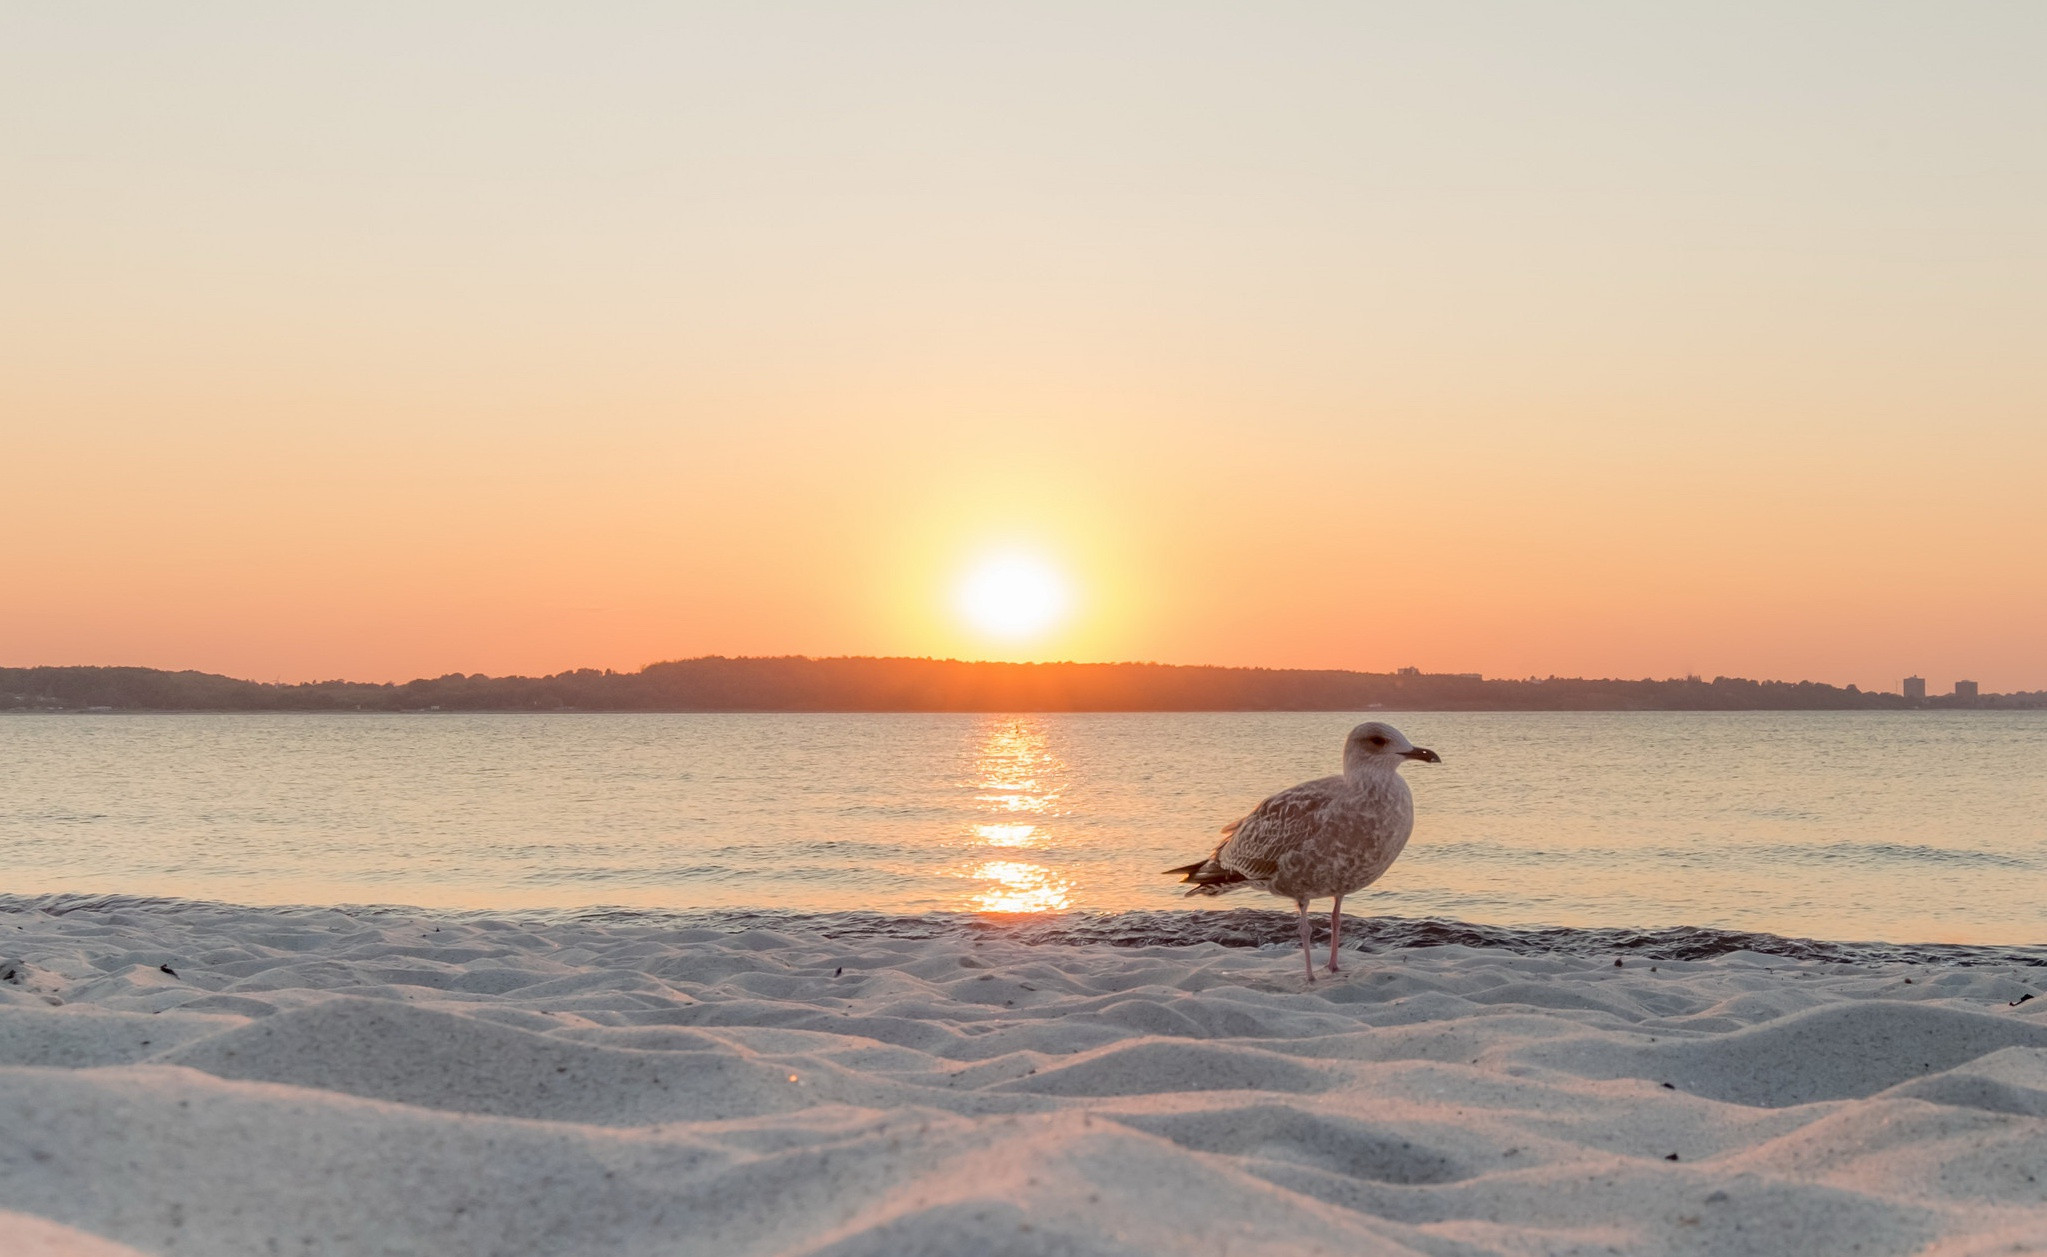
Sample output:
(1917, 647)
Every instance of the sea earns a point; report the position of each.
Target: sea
(1910, 827)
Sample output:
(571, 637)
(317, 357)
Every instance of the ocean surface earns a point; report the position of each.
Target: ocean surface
(1927, 827)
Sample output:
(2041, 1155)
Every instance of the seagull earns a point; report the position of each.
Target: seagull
(1321, 838)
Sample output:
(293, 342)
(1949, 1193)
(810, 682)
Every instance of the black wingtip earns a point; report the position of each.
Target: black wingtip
(1209, 878)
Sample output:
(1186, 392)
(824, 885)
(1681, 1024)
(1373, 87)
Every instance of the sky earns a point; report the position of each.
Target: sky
(382, 340)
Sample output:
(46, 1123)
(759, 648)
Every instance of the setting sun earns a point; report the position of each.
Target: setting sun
(1014, 596)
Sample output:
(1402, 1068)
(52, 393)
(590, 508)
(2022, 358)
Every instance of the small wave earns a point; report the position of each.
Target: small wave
(1865, 853)
(1877, 852)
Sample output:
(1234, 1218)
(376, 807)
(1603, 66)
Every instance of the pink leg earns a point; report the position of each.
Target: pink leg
(1335, 932)
(1307, 940)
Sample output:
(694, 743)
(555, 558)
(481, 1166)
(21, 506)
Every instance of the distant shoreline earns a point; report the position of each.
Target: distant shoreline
(1375, 710)
(886, 685)
(976, 711)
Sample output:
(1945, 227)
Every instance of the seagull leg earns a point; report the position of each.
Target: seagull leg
(1307, 939)
(1335, 931)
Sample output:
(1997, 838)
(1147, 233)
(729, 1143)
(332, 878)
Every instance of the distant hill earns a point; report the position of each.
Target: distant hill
(860, 684)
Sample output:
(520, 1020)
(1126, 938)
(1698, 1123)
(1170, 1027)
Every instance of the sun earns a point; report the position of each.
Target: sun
(1013, 595)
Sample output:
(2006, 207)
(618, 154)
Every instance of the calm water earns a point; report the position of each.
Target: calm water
(1920, 827)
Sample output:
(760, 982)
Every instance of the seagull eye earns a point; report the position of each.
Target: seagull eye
(1376, 740)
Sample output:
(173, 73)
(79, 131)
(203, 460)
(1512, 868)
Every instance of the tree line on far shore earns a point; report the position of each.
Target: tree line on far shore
(796, 683)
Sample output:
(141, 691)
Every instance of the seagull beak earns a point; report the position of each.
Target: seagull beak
(1422, 753)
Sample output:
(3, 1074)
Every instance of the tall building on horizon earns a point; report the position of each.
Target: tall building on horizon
(1966, 691)
(1915, 687)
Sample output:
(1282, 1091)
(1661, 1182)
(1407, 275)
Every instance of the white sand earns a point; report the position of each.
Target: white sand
(316, 1082)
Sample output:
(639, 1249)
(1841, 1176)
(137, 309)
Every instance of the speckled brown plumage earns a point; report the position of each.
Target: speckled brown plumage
(1321, 839)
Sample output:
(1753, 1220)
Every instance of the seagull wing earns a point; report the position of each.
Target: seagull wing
(1254, 845)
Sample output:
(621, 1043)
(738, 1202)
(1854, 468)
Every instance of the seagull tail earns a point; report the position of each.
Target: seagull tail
(1209, 877)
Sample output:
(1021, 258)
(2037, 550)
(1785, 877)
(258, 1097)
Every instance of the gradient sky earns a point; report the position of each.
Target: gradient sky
(380, 340)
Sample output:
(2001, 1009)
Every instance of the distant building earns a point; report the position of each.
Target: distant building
(1408, 672)
(1966, 691)
(1915, 687)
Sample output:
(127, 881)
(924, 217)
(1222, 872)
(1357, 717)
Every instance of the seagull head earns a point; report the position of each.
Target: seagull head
(1376, 745)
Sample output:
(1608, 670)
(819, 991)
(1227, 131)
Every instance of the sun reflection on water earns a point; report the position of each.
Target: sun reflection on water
(1016, 772)
(1007, 835)
(1020, 887)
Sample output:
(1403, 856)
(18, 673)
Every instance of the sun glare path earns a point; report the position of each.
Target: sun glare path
(1015, 771)
(1007, 835)
(1021, 887)
(1014, 596)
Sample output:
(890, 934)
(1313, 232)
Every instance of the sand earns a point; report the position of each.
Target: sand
(193, 1078)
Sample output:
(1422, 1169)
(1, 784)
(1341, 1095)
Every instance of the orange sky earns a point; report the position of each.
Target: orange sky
(1581, 340)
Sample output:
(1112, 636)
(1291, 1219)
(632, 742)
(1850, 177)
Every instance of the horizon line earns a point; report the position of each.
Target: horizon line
(1688, 678)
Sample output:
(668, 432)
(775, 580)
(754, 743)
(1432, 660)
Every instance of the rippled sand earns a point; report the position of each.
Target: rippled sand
(203, 1079)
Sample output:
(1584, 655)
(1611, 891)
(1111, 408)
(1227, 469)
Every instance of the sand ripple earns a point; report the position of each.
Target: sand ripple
(194, 1078)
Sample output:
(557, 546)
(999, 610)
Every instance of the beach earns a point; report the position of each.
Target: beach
(737, 630)
(187, 1077)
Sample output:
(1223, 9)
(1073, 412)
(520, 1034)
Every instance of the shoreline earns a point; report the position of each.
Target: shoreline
(179, 1076)
(1231, 927)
